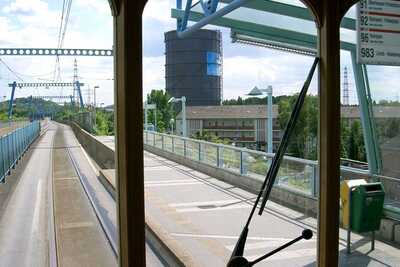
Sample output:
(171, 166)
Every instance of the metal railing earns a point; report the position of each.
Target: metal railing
(14, 144)
(85, 120)
(295, 174)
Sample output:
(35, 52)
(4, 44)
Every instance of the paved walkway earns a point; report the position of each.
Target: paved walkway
(25, 239)
(206, 216)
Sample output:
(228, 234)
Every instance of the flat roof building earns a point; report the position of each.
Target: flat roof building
(243, 125)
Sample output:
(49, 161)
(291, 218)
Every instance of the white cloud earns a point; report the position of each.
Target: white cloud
(26, 7)
(34, 24)
(159, 10)
(101, 6)
(153, 74)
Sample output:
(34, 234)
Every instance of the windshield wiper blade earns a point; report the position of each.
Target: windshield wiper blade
(277, 159)
(237, 259)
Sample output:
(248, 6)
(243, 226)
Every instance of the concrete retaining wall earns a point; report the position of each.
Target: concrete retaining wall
(102, 154)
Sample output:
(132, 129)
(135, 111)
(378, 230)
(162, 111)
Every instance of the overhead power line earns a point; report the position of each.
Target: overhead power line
(11, 70)
(66, 9)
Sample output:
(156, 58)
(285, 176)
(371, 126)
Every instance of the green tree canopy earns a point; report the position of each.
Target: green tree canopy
(164, 109)
(303, 142)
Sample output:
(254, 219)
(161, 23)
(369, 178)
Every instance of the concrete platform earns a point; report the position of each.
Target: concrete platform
(206, 216)
(79, 237)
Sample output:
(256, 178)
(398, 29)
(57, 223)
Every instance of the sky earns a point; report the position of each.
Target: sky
(35, 23)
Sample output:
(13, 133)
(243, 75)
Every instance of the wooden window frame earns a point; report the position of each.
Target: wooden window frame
(129, 126)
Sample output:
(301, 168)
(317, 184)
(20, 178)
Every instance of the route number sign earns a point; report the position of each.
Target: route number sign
(378, 32)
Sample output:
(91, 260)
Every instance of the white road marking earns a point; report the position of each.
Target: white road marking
(274, 242)
(35, 220)
(255, 238)
(169, 181)
(288, 254)
(171, 184)
(199, 209)
(202, 203)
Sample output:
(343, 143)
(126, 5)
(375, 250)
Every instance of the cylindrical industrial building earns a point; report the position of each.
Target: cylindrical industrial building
(194, 67)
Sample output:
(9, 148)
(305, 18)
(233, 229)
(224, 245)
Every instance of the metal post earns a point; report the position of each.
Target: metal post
(10, 106)
(155, 119)
(378, 157)
(199, 151)
(372, 240)
(179, 7)
(348, 241)
(365, 116)
(208, 19)
(145, 115)
(241, 165)
(162, 142)
(218, 156)
(184, 148)
(313, 181)
(78, 87)
(184, 128)
(270, 118)
(173, 144)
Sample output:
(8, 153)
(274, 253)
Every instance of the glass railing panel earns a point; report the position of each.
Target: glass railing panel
(255, 165)
(192, 150)
(230, 159)
(208, 154)
(158, 141)
(168, 143)
(179, 146)
(295, 175)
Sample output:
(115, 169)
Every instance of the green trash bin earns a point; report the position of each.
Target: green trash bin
(366, 207)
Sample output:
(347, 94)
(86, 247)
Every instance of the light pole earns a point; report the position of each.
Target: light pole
(148, 106)
(94, 102)
(94, 95)
(172, 121)
(268, 129)
(5, 103)
(183, 100)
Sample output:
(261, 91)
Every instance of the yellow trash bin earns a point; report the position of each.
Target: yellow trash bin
(344, 198)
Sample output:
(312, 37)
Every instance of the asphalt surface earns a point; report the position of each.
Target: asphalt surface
(24, 218)
(82, 231)
(101, 201)
(206, 217)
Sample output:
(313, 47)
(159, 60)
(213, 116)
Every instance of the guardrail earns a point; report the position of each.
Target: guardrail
(14, 144)
(295, 174)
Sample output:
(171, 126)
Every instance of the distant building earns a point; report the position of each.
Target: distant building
(380, 112)
(243, 125)
(193, 67)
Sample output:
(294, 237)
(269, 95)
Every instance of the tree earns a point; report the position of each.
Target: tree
(344, 137)
(355, 142)
(164, 109)
(303, 142)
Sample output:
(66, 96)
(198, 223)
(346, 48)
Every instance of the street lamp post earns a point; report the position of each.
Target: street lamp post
(171, 122)
(94, 102)
(268, 129)
(183, 100)
(148, 106)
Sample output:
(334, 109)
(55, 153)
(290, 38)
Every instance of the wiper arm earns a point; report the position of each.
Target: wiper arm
(237, 259)
(276, 161)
